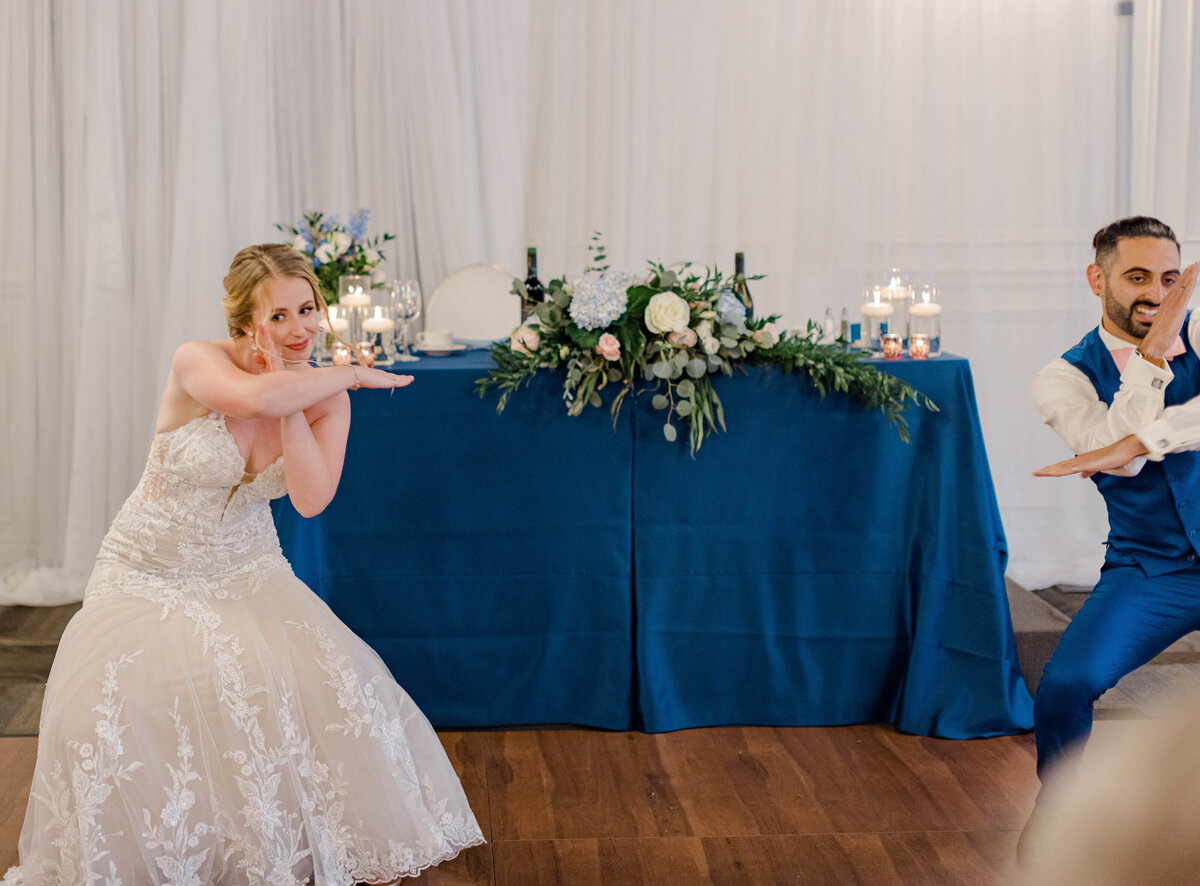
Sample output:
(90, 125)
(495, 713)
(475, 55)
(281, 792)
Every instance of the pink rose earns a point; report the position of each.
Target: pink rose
(609, 347)
(686, 337)
(525, 340)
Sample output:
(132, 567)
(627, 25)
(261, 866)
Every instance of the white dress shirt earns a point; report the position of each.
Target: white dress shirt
(1068, 403)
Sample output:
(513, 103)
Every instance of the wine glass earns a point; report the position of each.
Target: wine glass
(406, 296)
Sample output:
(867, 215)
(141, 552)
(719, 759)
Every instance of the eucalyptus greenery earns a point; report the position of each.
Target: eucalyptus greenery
(677, 329)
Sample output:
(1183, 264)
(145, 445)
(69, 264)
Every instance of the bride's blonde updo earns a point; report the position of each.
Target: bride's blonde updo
(251, 269)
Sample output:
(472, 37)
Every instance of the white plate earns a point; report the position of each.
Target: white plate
(438, 350)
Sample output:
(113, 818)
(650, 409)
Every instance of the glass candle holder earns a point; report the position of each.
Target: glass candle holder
(898, 294)
(925, 318)
(379, 328)
(877, 313)
(892, 347)
(341, 354)
(918, 346)
(364, 354)
(354, 297)
(333, 328)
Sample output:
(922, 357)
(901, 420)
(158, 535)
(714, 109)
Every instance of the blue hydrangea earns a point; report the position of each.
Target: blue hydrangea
(730, 307)
(599, 301)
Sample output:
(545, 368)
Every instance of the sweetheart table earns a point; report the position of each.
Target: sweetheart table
(805, 568)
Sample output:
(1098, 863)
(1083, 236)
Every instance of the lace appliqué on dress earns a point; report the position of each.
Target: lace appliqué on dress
(205, 740)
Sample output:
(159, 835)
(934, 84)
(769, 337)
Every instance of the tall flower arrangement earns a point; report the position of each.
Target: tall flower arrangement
(673, 331)
(336, 250)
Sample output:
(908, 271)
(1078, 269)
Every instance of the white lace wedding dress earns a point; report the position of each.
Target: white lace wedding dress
(208, 720)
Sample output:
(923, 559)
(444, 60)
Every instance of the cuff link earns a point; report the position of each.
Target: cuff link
(1156, 383)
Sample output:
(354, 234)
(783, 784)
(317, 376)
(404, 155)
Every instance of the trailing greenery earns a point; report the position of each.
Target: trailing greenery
(839, 368)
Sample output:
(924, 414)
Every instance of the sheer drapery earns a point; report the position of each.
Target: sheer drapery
(144, 142)
(972, 143)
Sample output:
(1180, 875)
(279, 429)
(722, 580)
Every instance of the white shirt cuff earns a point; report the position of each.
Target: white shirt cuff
(1159, 438)
(1140, 372)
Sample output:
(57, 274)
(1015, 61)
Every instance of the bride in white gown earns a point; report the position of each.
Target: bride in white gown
(208, 720)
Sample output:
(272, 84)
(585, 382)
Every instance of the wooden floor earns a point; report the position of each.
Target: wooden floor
(855, 804)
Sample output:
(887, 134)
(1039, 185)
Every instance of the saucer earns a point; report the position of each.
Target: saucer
(439, 350)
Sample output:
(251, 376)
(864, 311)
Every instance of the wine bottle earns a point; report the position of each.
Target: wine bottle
(535, 293)
(844, 329)
(740, 288)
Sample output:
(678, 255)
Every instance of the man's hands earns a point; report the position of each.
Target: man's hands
(1169, 319)
(1111, 457)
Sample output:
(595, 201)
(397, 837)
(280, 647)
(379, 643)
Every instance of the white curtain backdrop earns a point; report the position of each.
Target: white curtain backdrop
(975, 143)
(144, 142)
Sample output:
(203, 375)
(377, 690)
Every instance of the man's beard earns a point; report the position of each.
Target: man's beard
(1123, 317)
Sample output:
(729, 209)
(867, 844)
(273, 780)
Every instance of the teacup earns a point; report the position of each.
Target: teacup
(435, 339)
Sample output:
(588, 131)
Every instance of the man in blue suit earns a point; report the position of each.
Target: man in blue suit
(1127, 397)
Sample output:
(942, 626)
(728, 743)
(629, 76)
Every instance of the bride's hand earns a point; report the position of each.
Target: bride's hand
(365, 377)
(267, 355)
(1109, 458)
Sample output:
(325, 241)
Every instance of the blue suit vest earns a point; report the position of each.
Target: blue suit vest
(1154, 517)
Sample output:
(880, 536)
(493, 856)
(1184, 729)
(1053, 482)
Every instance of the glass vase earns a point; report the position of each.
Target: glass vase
(354, 297)
(925, 318)
(877, 313)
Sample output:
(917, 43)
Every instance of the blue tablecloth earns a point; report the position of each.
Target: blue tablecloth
(805, 568)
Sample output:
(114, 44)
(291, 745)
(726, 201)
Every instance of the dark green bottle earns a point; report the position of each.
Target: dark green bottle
(535, 291)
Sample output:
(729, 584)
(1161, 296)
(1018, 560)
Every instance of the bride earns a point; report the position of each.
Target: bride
(208, 720)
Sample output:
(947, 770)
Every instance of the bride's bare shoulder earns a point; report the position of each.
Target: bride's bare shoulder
(202, 350)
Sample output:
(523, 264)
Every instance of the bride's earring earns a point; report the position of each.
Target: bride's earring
(253, 345)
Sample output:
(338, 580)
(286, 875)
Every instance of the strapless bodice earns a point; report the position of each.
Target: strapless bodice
(195, 520)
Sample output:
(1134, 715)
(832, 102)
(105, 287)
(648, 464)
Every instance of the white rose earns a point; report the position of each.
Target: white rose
(667, 312)
(341, 242)
(300, 244)
(373, 257)
(324, 253)
(525, 340)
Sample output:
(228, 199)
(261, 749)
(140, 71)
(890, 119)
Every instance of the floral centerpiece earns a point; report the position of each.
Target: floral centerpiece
(337, 250)
(673, 331)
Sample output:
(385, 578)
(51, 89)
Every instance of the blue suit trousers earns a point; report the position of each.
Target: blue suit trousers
(1128, 619)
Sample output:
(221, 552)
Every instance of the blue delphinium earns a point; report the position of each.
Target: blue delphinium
(358, 224)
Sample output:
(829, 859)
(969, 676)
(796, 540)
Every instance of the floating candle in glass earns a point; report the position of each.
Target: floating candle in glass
(925, 318)
(877, 313)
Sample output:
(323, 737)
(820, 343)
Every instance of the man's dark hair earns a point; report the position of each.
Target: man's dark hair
(1106, 239)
